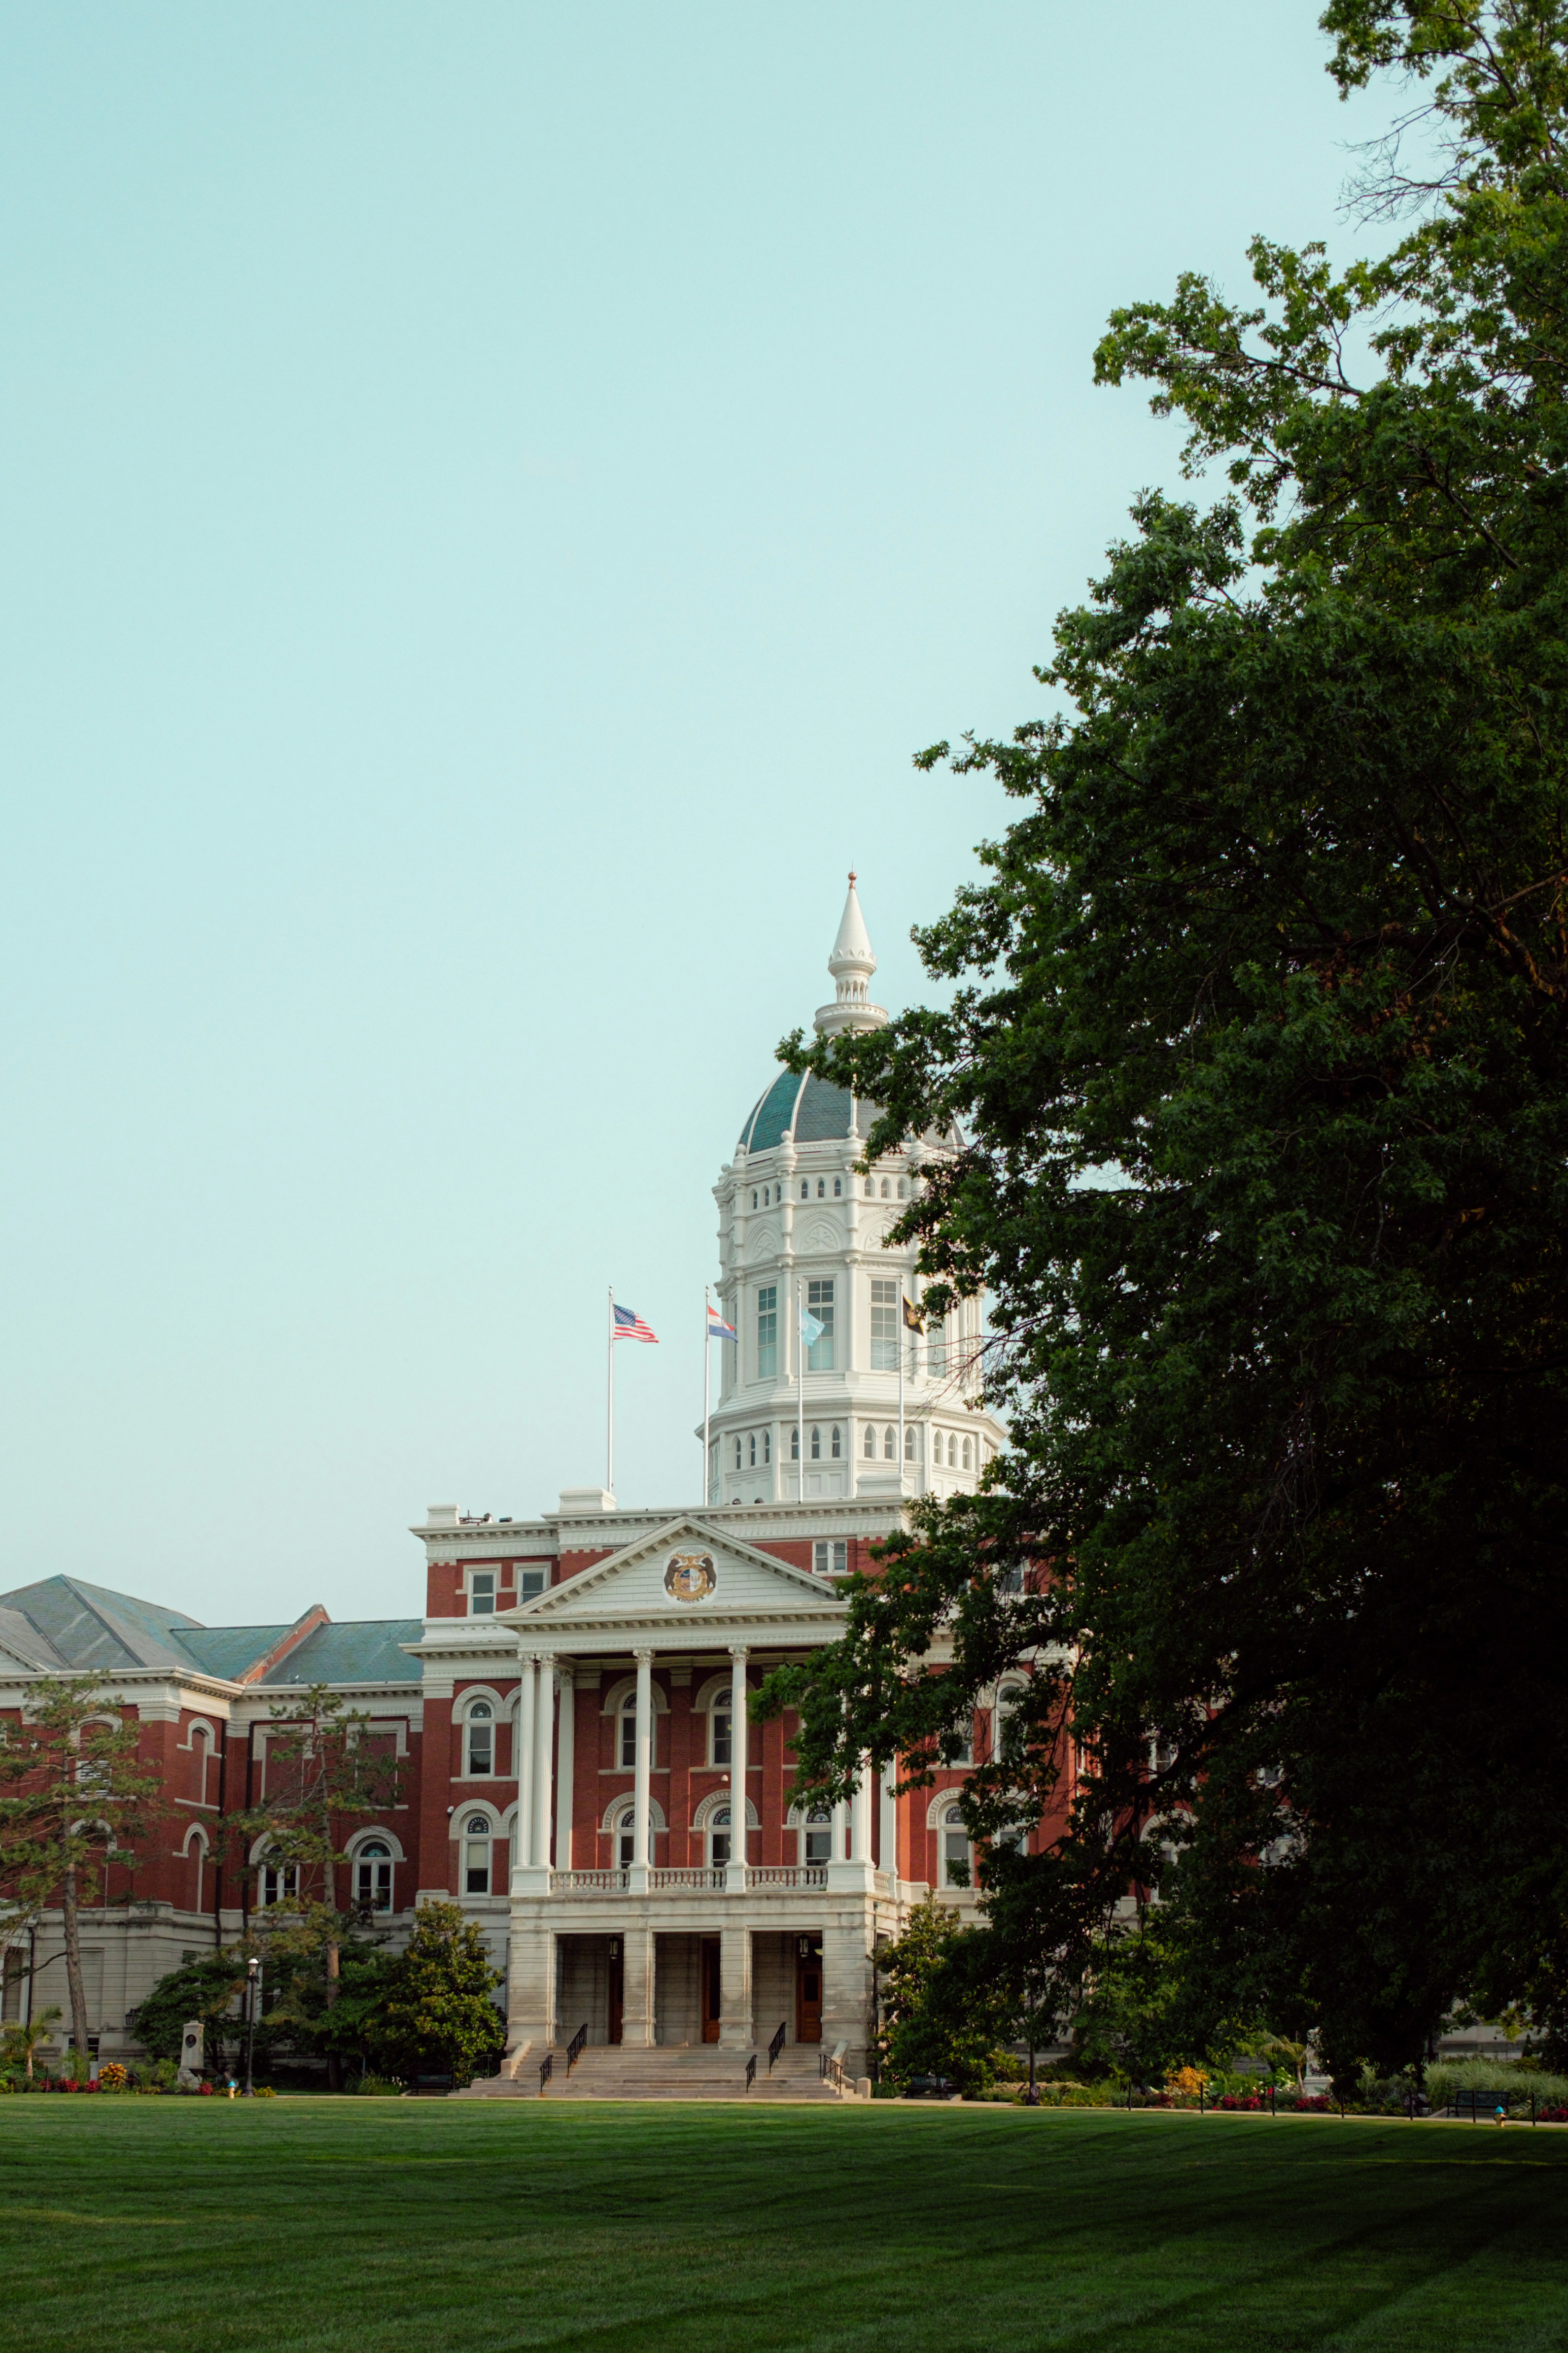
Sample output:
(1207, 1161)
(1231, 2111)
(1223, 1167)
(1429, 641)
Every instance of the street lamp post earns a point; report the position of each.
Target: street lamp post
(252, 1996)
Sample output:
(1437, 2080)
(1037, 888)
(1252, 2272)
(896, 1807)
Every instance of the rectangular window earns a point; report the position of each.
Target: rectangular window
(819, 1302)
(936, 1349)
(818, 1846)
(476, 1867)
(830, 1556)
(723, 1745)
(530, 1581)
(482, 1593)
(481, 1746)
(884, 1326)
(768, 1332)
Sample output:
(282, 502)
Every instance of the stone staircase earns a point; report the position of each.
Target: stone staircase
(689, 2071)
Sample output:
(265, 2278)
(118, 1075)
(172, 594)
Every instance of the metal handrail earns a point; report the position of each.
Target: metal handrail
(775, 2046)
(546, 2069)
(751, 2071)
(574, 2048)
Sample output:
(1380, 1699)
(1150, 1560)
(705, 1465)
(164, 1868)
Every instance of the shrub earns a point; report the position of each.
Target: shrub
(1509, 2078)
(375, 2087)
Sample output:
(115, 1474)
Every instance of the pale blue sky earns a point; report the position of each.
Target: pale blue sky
(492, 496)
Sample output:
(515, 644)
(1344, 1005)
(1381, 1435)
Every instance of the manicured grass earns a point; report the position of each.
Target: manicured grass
(161, 2225)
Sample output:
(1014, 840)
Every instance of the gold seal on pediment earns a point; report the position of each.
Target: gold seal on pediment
(690, 1575)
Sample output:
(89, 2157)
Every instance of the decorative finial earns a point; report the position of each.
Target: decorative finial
(851, 965)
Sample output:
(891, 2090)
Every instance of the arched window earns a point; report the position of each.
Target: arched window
(836, 1443)
(373, 1877)
(968, 1455)
(805, 1189)
(870, 1188)
(837, 1186)
(822, 1189)
(721, 1732)
(795, 1441)
(909, 1441)
(753, 1200)
(629, 1733)
(717, 1838)
(625, 1837)
(956, 1854)
(887, 1188)
(477, 1855)
(481, 1739)
(869, 1448)
(753, 1441)
(902, 1188)
(737, 1454)
(952, 1452)
(201, 1757)
(196, 1854)
(815, 1443)
(767, 1446)
(817, 1836)
(279, 1883)
(889, 1444)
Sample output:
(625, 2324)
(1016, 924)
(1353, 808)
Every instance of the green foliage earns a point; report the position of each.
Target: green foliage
(1506, 2077)
(1259, 1043)
(938, 2016)
(204, 1988)
(437, 2015)
(75, 1806)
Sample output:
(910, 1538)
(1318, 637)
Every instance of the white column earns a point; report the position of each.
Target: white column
(524, 1760)
(565, 1751)
(735, 1877)
(543, 1777)
(735, 2030)
(643, 1786)
(888, 1825)
(860, 1815)
(841, 1823)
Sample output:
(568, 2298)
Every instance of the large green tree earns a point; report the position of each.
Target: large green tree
(75, 1804)
(1259, 1043)
(326, 1773)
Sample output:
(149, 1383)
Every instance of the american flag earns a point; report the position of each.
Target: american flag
(629, 1325)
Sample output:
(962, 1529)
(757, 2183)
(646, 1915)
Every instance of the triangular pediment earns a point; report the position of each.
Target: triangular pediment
(679, 1576)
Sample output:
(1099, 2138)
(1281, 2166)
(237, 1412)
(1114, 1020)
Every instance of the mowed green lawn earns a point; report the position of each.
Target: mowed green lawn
(160, 2225)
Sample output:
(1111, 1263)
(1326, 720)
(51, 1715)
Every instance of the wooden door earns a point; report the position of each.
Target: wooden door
(618, 1992)
(713, 1989)
(809, 1988)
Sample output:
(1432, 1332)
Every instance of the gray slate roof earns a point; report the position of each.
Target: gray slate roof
(61, 1622)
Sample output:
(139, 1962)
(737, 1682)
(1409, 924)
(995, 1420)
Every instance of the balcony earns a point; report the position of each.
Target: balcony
(762, 1879)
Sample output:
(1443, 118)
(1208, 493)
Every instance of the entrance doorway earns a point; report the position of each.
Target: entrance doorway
(617, 1987)
(808, 1989)
(713, 1988)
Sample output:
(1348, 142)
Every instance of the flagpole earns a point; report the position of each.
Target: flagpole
(707, 1352)
(903, 1351)
(800, 1385)
(610, 1399)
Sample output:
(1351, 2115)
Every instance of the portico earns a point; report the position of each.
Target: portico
(663, 1912)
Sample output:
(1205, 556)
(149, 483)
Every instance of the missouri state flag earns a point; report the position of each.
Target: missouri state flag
(717, 1327)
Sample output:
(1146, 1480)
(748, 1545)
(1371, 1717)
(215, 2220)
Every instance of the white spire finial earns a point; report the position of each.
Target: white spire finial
(851, 965)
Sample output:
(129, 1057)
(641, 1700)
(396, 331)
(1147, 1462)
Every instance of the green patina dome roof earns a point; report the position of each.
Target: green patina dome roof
(812, 1110)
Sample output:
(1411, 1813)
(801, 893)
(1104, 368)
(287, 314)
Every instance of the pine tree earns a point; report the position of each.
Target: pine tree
(438, 2009)
(323, 1774)
(79, 1802)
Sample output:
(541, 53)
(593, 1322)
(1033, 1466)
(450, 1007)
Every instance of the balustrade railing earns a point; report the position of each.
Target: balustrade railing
(787, 1874)
(687, 1877)
(587, 1882)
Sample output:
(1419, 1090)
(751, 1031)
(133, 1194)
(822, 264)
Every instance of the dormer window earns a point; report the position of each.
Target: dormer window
(481, 1593)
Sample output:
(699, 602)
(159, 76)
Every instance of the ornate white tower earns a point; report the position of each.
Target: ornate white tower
(801, 1231)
